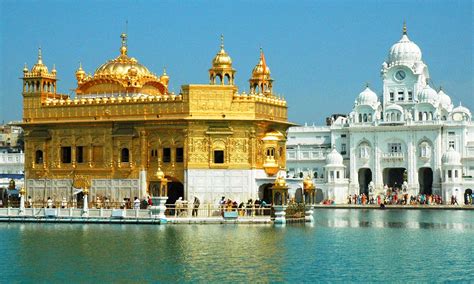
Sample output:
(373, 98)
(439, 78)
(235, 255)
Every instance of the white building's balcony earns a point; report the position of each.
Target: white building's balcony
(12, 158)
(393, 156)
(469, 152)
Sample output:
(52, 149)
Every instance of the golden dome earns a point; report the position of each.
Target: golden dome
(121, 67)
(121, 74)
(222, 59)
(164, 78)
(273, 136)
(261, 69)
(280, 182)
(39, 67)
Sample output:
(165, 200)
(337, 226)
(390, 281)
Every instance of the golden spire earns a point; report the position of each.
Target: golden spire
(40, 57)
(404, 28)
(123, 49)
(222, 41)
(25, 69)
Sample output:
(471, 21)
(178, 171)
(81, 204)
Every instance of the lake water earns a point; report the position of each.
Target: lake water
(342, 245)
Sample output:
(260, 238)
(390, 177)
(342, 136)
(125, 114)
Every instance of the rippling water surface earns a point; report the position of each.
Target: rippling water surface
(342, 245)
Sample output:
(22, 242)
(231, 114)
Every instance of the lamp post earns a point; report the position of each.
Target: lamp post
(279, 199)
(309, 189)
(159, 195)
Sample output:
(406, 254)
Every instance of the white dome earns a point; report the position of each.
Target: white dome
(404, 51)
(451, 157)
(461, 109)
(334, 158)
(444, 99)
(428, 95)
(367, 97)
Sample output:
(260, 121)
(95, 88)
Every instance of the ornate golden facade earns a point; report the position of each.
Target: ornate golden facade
(123, 123)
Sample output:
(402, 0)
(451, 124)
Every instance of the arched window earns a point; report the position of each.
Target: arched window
(360, 117)
(270, 153)
(38, 157)
(420, 116)
(125, 155)
(365, 117)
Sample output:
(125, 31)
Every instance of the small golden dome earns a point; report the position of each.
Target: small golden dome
(164, 78)
(22, 191)
(54, 70)
(261, 69)
(280, 182)
(80, 73)
(25, 69)
(222, 59)
(39, 67)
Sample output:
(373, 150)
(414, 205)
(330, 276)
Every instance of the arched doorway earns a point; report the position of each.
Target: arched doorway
(365, 177)
(468, 197)
(319, 195)
(175, 191)
(393, 177)
(299, 195)
(425, 179)
(80, 199)
(265, 192)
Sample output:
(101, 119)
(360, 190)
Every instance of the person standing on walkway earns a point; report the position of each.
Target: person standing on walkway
(136, 203)
(196, 204)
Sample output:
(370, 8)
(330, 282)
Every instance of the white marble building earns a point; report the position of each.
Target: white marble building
(12, 166)
(411, 132)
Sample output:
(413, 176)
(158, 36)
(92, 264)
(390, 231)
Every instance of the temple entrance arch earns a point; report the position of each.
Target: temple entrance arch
(425, 179)
(468, 196)
(393, 177)
(319, 195)
(265, 192)
(365, 177)
(175, 190)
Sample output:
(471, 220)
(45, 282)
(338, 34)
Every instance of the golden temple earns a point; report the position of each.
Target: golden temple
(123, 123)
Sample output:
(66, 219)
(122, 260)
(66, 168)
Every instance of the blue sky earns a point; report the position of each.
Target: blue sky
(321, 53)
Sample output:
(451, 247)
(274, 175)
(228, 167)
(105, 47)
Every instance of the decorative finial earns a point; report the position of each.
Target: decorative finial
(123, 49)
(367, 84)
(124, 39)
(25, 69)
(54, 68)
(40, 57)
(440, 88)
(164, 70)
(222, 41)
(80, 65)
(404, 28)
